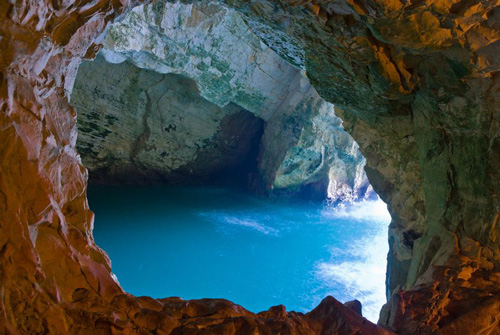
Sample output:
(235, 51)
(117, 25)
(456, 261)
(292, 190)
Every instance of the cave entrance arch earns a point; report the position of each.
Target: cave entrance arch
(420, 80)
(200, 114)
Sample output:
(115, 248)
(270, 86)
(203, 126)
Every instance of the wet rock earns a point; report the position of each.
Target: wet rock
(138, 126)
(420, 97)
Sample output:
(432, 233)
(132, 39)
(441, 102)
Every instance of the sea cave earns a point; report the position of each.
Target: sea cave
(242, 183)
(252, 147)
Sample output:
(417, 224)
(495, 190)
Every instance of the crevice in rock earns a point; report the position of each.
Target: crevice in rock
(142, 139)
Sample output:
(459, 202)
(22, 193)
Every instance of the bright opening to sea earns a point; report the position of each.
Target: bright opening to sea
(209, 242)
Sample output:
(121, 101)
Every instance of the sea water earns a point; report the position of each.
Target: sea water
(209, 242)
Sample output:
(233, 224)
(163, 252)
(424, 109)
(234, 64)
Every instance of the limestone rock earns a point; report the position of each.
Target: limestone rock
(140, 126)
(303, 142)
(325, 153)
(417, 85)
(54, 279)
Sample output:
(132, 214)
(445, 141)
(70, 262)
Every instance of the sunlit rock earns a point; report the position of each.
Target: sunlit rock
(416, 84)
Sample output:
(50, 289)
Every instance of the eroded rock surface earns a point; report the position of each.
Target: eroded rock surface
(417, 83)
(417, 86)
(54, 279)
(303, 148)
(140, 126)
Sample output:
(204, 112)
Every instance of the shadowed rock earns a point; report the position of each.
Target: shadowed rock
(355, 305)
(304, 149)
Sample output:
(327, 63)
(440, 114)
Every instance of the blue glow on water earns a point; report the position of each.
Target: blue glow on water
(207, 242)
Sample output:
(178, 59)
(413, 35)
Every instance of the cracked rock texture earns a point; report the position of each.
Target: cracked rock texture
(303, 147)
(416, 84)
(53, 278)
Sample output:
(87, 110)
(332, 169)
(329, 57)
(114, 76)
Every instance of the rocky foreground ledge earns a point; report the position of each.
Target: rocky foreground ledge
(174, 316)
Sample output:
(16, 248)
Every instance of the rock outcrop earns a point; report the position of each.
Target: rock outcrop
(417, 86)
(303, 147)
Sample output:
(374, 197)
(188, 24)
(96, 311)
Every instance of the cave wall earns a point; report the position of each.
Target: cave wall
(53, 278)
(48, 256)
(417, 85)
(139, 126)
(303, 141)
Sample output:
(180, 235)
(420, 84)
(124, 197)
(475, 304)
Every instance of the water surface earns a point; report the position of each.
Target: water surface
(208, 242)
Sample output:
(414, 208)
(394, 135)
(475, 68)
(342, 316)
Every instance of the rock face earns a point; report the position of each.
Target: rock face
(54, 279)
(417, 86)
(303, 147)
(140, 126)
(416, 83)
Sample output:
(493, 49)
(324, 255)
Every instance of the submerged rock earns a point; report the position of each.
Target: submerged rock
(303, 147)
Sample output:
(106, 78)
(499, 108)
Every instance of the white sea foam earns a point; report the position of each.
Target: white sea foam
(249, 223)
(241, 221)
(373, 211)
(363, 277)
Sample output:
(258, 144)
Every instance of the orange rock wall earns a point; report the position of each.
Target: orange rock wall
(47, 253)
(417, 84)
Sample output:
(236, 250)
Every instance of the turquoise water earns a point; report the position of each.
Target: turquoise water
(207, 242)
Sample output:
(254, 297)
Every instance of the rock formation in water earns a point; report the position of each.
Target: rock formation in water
(416, 83)
(303, 146)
